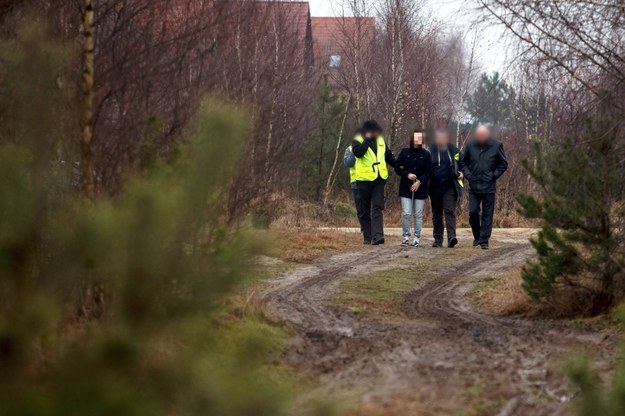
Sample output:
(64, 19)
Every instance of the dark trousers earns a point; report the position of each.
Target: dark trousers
(371, 209)
(356, 196)
(481, 225)
(444, 207)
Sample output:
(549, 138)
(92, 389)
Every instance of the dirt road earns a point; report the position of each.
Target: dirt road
(443, 356)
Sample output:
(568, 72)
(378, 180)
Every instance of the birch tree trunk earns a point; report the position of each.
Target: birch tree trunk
(337, 150)
(86, 163)
(274, 100)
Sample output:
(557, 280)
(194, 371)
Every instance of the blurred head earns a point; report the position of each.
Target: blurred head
(371, 129)
(441, 138)
(417, 140)
(482, 133)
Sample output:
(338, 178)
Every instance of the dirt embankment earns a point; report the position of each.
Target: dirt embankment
(443, 355)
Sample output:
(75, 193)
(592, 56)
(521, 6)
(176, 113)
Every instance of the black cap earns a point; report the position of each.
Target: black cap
(371, 126)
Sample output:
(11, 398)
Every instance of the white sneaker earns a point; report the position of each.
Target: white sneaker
(416, 242)
(405, 242)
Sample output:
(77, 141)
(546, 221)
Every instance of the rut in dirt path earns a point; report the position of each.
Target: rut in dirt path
(446, 356)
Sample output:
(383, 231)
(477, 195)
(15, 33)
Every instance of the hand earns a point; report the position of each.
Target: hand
(412, 176)
(460, 175)
(415, 186)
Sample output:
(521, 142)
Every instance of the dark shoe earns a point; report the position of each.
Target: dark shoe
(367, 242)
(378, 242)
(484, 246)
(437, 245)
(453, 242)
(475, 243)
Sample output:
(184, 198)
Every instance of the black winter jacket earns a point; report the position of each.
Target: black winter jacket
(483, 164)
(445, 169)
(419, 162)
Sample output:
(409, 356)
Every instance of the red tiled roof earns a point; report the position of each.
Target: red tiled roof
(333, 35)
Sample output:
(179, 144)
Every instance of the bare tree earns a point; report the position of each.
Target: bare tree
(398, 18)
(88, 185)
(463, 68)
(356, 40)
(154, 59)
(582, 38)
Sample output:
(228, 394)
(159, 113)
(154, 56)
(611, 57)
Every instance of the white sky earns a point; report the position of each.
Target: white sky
(460, 14)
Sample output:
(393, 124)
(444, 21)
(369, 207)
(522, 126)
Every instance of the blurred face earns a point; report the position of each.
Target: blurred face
(417, 139)
(482, 134)
(441, 138)
(372, 134)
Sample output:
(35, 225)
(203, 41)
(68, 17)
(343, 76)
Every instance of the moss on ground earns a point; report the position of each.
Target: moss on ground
(381, 292)
(378, 293)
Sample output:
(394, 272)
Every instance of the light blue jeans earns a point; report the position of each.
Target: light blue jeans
(408, 210)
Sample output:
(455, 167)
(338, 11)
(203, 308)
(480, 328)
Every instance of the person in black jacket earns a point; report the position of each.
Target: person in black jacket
(413, 165)
(484, 161)
(445, 188)
(372, 160)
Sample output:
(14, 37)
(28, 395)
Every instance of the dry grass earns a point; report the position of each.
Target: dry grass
(396, 405)
(246, 302)
(305, 245)
(287, 248)
(410, 404)
(504, 295)
(287, 212)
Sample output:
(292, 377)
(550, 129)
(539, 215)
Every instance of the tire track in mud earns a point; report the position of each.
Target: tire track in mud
(328, 336)
(446, 356)
(448, 296)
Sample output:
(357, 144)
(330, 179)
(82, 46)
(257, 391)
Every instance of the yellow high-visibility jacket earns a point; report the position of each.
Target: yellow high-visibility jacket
(372, 165)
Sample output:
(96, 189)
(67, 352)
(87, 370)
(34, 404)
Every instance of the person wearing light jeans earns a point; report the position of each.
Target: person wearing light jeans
(411, 209)
(413, 165)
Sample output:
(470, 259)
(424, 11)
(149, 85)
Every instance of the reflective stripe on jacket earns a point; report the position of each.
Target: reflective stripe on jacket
(372, 164)
(457, 170)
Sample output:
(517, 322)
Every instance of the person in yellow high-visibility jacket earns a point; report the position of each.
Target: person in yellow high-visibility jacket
(373, 159)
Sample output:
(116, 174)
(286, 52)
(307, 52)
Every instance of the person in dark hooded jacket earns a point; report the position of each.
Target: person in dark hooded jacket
(484, 161)
(446, 188)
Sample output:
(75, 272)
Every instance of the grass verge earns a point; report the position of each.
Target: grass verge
(244, 322)
(503, 295)
(244, 329)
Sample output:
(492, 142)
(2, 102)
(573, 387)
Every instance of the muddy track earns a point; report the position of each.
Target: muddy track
(446, 356)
